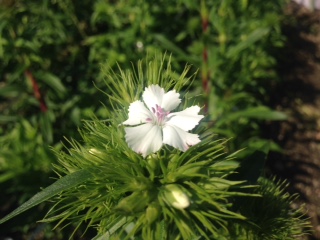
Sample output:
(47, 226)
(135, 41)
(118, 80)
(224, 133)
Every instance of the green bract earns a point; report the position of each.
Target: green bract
(125, 185)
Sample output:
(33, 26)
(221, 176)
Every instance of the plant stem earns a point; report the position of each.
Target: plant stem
(36, 91)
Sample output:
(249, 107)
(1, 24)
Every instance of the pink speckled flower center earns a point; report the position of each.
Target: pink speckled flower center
(160, 116)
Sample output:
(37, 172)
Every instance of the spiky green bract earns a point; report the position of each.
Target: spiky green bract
(126, 186)
(128, 195)
(126, 86)
(272, 213)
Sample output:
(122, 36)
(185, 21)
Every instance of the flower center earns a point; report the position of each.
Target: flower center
(160, 115)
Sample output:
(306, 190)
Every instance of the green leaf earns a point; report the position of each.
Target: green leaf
(170, 46)
(252, 163)
(10, 91)
(54, 82)
(256, 35)
(260, 112)
(5, 119)
(60, 185)
(6, 176)
(46, 126)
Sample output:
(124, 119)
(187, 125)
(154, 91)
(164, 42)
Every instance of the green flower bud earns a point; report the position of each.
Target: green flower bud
(153, 163)
(152, 212)
(139, 184)
(176, 197)
(134, 203)
(94, 151)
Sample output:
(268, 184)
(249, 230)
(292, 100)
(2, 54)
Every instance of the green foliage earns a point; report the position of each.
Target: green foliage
(25, 167)
(52, 51)
(242, 65)
(13, 148)
(273, 219)
(124, 184)
(232, 43)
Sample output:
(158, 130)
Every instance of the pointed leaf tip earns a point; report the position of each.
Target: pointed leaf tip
(60, 185)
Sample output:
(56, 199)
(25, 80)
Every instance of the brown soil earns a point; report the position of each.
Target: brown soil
(299, 96)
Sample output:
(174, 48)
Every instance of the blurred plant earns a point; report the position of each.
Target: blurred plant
(232, 43)
(277, 203)
(41, 95)
(43, 60)
(25, 166)
(73, 38)
(21, 146)
(243, 67)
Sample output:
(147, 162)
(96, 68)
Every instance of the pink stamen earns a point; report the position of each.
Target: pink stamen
(160, 115)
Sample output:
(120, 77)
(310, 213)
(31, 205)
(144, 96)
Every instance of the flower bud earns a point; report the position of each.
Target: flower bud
(176, 197)
(94, 151)
(134, 203)
(153, 163)
(152, 212)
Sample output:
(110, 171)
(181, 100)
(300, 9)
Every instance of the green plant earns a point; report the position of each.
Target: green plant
(168, 193)
(232, 42)
(52, 50)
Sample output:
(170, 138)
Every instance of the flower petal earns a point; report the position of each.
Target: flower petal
(178, 138)
(152, 96)
(138, 113)
(186, 119)
(144, 139)
(170, 100)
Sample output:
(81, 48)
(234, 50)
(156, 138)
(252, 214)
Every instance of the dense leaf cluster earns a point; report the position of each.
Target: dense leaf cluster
(105, 185)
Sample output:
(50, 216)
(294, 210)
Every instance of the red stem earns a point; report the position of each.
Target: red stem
(36, 91)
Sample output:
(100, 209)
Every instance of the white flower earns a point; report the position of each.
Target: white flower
(153, 124)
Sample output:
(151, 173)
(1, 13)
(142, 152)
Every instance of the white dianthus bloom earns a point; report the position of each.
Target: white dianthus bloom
(153, 124)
